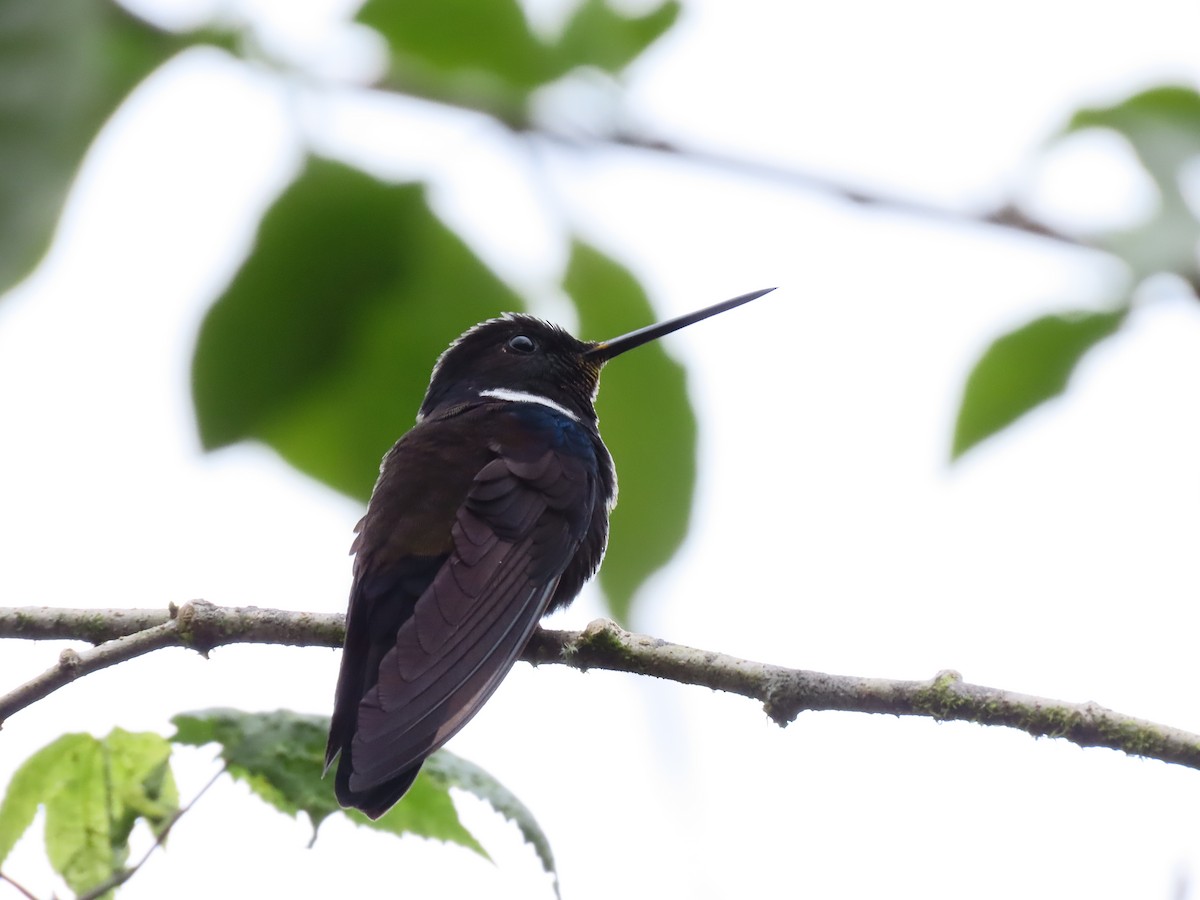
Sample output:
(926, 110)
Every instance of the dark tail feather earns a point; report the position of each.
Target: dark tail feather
(378, 799)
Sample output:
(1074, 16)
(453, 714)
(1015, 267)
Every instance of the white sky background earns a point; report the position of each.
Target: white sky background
(830, 532)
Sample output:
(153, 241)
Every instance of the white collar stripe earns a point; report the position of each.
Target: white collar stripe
(523, 397)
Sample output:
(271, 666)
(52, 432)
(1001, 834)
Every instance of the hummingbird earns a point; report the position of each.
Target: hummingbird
(491, 512)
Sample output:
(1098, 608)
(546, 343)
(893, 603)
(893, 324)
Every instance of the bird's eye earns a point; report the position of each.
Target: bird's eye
(522, 343)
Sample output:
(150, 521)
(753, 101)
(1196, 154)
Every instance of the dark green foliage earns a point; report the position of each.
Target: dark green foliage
(323, 344)
(94, 791)
(65, 66)
(281, 754)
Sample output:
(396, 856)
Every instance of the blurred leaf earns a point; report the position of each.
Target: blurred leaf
(598, 35)
(65, 66)
(647, 422)
(323, 344)
(449, 770)
(1162, 124)
(38, 778)
(484, 55)
(1025, 368)
(281, 756)
(141, 784)
(480, 51)
(77, 823)
(93, 792)
(1163, 127)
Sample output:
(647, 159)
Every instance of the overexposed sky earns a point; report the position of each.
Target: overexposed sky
(830, 532)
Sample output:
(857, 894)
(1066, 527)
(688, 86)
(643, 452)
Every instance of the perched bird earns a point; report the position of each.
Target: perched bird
(489, 513)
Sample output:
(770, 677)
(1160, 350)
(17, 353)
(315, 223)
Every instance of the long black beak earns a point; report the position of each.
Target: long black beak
(603, 351)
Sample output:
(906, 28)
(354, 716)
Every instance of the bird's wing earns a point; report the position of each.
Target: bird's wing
(524, 516)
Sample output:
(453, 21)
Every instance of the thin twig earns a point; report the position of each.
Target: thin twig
(784, 692)
(20, 889)
(1007, 216)
(119, 878)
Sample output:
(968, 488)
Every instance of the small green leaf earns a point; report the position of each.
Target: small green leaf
(93, 791)
(445, 768)
(281, 756)
(1025, 368)
(65, 66)
(647, 422)
(598, 35)
(323, 344)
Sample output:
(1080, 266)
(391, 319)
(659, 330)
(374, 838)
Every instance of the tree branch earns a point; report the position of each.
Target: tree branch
(784, 692)
(1006, 216)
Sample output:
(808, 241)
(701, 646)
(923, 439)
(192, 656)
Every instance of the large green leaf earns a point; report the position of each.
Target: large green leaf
(323, 344)
(65, 66)
(1025, 368)
(281, 756)
(647, 422)
(1163, 127)
(93, 791)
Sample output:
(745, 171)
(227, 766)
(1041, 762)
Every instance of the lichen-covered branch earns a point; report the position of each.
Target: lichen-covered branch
(784, 692)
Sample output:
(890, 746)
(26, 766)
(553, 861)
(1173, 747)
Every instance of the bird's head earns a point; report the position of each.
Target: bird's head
(518, 354)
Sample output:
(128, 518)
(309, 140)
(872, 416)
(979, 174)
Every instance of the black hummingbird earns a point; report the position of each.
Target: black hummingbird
(491, 512)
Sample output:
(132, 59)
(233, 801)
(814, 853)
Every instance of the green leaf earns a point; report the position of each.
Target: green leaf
(323, 344)
(93, 791)
(141, 784)
(447, 769)
(1163, 127)
(78, 828)
(598, 35)
(1025, 368)
(647, 422)
(65, 66)
(1162, 124)
(38, 778)
(478, 52)
(483, 54)
(281, 756)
